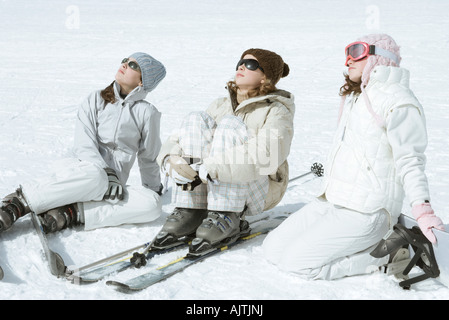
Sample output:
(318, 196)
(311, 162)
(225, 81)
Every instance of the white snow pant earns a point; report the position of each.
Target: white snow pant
(200, 136)
(74, 181)
(325, 241)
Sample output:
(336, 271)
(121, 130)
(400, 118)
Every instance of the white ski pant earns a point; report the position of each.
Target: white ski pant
(200, 136)
(74, 181)
(325, 241)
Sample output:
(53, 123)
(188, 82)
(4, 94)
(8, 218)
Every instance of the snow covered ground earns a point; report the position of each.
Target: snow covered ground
(54, 53)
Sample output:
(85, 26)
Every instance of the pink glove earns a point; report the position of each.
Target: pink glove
(427, 220)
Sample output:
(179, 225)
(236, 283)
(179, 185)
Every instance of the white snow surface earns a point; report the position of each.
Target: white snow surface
(54, 53)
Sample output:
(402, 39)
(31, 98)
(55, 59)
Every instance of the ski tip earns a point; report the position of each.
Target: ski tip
(119, 286)
(2, 274)
(80, 280)
(57, 265)
(113, 283)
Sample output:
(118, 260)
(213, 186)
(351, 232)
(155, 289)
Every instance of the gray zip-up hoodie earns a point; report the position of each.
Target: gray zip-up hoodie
(113, 135)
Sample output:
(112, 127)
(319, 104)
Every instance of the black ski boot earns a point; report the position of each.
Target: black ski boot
(180, 227)
(424, 256)
(220, 228)
(60, 218)
(13, 207)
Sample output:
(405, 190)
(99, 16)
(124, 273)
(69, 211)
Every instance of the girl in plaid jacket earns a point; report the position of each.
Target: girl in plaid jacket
(230, 160)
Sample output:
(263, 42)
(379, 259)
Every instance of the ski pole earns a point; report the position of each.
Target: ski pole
(316, 169)
(110, 258)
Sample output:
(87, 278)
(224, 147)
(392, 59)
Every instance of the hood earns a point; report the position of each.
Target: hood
(389, 76)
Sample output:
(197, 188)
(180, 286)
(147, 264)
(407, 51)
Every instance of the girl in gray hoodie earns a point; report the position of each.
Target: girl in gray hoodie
(114, 126)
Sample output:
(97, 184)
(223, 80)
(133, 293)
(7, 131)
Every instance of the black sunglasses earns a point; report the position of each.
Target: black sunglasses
(132, 64)
(250, 64)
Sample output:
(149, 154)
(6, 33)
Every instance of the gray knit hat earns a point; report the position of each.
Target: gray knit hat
(152, 70)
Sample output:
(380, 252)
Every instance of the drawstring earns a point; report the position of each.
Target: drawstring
(342, 104)
(379, 120)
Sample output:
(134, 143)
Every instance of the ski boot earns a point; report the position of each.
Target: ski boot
(179, 227)
(219, 229)
(59, 218)
(13, 207)
(424, 256)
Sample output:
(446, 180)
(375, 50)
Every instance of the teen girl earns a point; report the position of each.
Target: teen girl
(236, 151)
(114, 127)
(377, 158)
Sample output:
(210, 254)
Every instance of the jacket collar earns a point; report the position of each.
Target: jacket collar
(136, 95)
(283, 96)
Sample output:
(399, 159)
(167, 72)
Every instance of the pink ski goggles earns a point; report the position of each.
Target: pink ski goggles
(359, 50)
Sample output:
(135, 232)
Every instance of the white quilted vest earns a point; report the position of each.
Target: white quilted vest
(360, 173)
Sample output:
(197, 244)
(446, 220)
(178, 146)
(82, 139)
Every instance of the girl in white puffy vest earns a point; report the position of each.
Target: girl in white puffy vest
(377, 159)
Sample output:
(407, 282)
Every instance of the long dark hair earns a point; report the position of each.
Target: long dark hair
(350, 87)
(108, 94)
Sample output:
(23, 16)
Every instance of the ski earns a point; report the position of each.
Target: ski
(96, 271)
(119, 262)
(55, 262)
(2, 274)
(164, 272)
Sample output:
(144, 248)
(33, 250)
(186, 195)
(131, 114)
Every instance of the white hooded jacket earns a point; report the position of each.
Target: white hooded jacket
(113, 135)
(372, 167)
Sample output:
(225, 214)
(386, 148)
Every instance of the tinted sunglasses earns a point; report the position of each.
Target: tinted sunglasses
(132, 64)
(250, 64)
